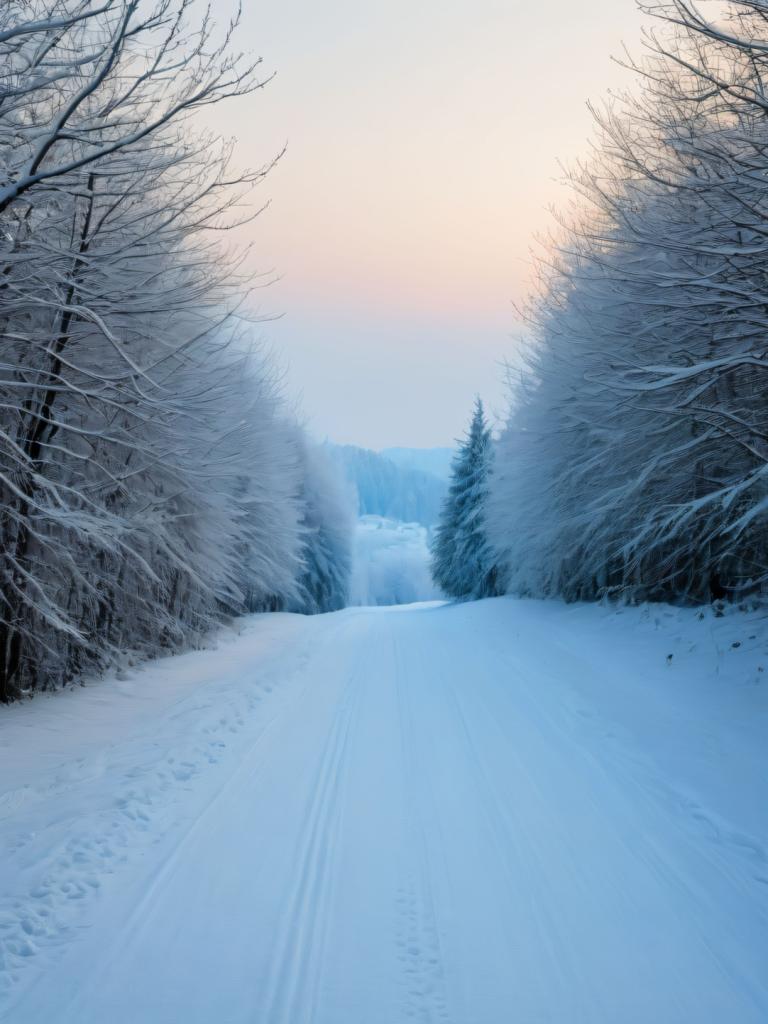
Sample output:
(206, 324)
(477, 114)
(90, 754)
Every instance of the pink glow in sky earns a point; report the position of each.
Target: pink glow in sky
(424, 141)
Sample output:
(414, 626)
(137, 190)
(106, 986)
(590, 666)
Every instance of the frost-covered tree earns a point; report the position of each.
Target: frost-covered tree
(634, 461)
(327, 532)
(81, 81)
(149, 478)
(463, 564)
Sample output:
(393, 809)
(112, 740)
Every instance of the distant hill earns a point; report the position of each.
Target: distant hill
(436, 461)
(387, 489)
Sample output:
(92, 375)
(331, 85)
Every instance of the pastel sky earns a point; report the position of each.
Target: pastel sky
(424, 148)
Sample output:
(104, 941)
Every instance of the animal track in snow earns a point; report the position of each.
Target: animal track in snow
(419, 954)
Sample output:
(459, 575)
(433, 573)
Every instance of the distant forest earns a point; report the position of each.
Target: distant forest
(390, 490)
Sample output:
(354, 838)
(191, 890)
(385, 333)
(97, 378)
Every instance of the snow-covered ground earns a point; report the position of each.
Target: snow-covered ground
(391, 563)
(492, 812)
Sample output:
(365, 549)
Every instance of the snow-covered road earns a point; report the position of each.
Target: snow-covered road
(493, 813)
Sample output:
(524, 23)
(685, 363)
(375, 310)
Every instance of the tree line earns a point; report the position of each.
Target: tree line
(634, 459)
(152, 479)
(384, 488)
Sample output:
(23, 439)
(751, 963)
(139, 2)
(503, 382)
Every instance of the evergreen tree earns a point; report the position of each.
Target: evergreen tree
(463, 563)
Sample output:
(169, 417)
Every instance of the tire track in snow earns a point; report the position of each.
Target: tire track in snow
(67, 871)
(294, 979)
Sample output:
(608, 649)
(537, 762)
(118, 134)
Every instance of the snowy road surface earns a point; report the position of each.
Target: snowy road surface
(494, 813)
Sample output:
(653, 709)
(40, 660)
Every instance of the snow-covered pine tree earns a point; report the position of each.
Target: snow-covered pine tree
(462, 561)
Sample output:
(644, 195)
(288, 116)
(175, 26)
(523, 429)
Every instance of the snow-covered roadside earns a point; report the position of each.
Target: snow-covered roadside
(40, 733)
(93, 776)
(685, 688)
